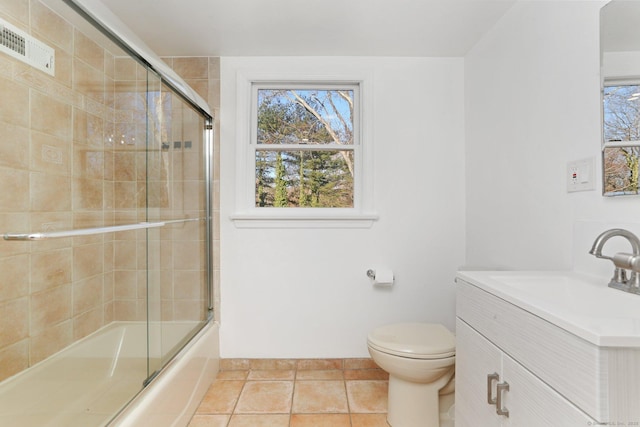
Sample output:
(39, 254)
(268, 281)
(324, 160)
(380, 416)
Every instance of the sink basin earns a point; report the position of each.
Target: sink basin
(580, 304)
(545, 286)
(578, 295)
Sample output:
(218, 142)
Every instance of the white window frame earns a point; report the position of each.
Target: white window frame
(246, 214)
(629, 81)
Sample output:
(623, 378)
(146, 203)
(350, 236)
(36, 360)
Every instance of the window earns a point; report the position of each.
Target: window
(621, 151)
(303, 159)
(305, 140)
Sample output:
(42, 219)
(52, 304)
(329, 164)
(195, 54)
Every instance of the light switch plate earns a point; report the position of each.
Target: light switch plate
(581, 175)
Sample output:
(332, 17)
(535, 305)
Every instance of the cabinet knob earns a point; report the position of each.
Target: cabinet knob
(500, 388)
(490, 379)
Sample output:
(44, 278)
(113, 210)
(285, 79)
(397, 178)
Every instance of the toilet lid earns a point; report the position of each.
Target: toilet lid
(414, 340)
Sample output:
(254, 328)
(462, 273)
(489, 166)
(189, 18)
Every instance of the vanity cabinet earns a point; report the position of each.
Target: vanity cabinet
(496, 337)
(528, 401)
(567, 345)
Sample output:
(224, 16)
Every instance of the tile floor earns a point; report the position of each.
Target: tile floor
(295, 393)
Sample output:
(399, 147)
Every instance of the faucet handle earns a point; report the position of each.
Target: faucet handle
(634, 281)
(619, 280)
(623, 260)
(619, 276)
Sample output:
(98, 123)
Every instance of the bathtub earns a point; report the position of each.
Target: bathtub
(87, 383)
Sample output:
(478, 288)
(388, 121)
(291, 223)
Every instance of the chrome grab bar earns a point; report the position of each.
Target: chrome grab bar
(92, 231)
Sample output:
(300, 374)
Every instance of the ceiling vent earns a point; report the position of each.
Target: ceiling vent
(24, 47)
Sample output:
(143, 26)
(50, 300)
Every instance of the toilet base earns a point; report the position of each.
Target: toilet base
(413, 404)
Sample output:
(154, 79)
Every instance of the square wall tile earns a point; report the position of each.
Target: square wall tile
(50, 116)
(14, 321)
(13, 359)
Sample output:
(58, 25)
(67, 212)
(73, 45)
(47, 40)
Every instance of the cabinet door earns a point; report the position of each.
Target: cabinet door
(476, 358)
(532, 403)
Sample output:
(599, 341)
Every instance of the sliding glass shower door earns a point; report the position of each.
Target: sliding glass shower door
(176, 188)
(105, 215)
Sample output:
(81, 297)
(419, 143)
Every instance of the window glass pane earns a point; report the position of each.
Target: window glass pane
(305, 116)
(621, 170)
(318, 178)
(622, 113)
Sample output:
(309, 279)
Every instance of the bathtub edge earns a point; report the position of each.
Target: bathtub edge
(173, 396)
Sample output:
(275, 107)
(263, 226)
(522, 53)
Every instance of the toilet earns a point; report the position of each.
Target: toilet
(420, 359)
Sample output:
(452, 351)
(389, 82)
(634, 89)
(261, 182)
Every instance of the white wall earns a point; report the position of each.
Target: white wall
(621, 64)
(532, 105)
(304, 292)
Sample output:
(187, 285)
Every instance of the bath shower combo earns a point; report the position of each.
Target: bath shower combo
(107, 296)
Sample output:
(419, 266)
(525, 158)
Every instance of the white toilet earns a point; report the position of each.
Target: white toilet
(420, 359)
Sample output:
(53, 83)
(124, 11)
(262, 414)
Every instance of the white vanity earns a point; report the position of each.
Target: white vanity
(545, 349)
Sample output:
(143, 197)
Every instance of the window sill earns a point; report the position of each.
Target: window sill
(302, 220)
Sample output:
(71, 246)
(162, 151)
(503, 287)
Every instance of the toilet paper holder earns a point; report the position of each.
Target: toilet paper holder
(371, 274)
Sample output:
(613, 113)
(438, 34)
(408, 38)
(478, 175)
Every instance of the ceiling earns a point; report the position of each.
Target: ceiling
(311, 28)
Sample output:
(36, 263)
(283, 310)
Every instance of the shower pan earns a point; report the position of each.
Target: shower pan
(105, 214)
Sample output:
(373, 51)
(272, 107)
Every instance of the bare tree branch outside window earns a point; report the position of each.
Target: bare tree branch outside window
(621, 124)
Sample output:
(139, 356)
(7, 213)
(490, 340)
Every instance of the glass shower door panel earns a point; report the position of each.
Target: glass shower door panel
(184, 296)
(128, 159)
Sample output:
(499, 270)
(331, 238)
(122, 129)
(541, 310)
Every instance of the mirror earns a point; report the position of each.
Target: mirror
(620, 75)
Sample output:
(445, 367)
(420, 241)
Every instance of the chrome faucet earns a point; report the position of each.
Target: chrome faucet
(623, 261)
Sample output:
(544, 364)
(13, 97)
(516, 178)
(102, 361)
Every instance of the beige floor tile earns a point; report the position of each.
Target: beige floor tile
(319, 397)
(264, 364)
(329, 374)
(272, 374)
(209, 421)
(268, 420)
(221, 397)
(232, 375)
(296, 393)
(365, 374)
(320, 420)
(369, 420)
(360, 364)
(367, 396)
(265, 397)
(317, 364)
(234, 364)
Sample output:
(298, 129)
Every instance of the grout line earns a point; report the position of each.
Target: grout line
(293, 393)
(346, 394)
(233, 411)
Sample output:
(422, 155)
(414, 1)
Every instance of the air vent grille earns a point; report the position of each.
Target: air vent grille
(24, 47)
(13, 41)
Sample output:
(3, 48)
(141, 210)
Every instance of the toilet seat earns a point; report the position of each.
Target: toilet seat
(413, 340)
